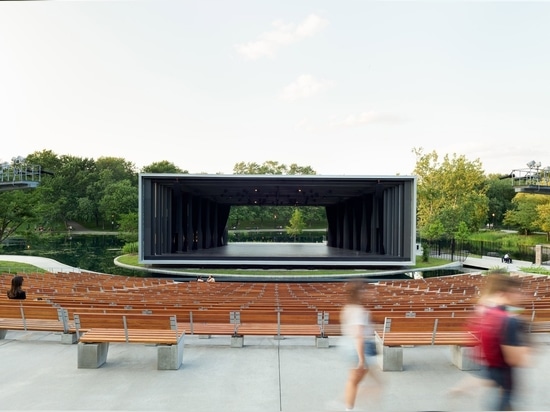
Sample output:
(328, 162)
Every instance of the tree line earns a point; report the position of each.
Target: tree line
(454, 198)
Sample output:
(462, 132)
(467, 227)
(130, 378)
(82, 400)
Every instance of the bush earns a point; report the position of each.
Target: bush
(130, 248)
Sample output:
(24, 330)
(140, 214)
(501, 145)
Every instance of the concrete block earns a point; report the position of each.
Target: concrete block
(322, 342)
(170, 357)
(462, 357)
(3, 333)
(390, 358)
(92, 355)
(204, 336)
(68, 338)
(237, 341)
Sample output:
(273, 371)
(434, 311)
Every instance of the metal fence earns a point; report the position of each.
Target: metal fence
(459, 250)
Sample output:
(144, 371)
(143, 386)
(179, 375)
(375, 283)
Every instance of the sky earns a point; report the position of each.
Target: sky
(346, 87)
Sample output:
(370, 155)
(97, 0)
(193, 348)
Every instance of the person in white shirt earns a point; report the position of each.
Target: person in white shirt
(358, 340)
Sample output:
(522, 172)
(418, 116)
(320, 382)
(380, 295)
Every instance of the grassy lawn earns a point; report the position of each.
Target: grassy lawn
(7, 266)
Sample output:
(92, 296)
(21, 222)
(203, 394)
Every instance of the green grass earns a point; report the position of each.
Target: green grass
(7, 266)
(509, 239)
(132, 260)
(538, 270)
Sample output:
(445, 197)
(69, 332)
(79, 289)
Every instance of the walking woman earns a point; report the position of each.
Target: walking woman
(359, 340)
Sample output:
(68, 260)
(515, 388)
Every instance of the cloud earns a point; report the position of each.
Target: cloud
(303, 87)
(283, 34)
(365, 118)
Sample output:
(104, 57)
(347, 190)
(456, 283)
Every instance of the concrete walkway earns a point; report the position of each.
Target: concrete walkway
(40, 373)
(51, 265)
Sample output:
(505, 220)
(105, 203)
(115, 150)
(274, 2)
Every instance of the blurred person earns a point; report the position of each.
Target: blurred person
(502, 337)
(16, 291)
(478, 376)
(358, 341)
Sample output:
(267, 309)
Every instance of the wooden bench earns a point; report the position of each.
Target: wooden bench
(96, 331)
(280, 324)
(399, 332)
(35, 317)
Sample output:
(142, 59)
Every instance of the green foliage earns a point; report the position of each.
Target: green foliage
(163, 166)
(535, 269)
(128, 227)
(17, 211)
(500, 193)
(425, 252)
(524, 215)
(450, 195)
(130, 248)
(297, 224)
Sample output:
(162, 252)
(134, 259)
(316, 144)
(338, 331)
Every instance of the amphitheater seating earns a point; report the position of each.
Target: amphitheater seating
(306, 309)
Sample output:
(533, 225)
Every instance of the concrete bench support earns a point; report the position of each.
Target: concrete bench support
(92, 355)
(391, 358)
(3, 333)
(68, 338)
(170, 357)
(462, 357)
(322, 342)
(237, 341)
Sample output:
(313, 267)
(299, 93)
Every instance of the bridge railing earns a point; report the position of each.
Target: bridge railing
(531, 177)
(20, 173)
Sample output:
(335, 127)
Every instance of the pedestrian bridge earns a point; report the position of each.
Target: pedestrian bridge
(19, 175)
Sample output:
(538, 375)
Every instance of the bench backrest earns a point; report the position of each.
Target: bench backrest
(86, 321)
(425, 324)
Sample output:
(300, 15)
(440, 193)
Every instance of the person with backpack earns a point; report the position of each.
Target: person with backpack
(502, 337)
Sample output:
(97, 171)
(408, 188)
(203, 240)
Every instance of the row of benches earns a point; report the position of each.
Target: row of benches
(412, 322)
(95, 331)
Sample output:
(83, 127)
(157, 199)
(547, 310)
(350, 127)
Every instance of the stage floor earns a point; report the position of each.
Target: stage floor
(278, 255)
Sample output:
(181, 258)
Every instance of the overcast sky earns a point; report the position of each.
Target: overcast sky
(346, 87)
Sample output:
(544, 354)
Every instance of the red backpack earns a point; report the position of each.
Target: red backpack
(490, 330)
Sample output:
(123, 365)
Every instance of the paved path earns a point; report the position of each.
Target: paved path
(291, 375)
(51, 265)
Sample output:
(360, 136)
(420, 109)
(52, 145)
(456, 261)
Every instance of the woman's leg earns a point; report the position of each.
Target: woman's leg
(355, 377)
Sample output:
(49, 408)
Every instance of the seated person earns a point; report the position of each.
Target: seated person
(16, 291)
(210, 279)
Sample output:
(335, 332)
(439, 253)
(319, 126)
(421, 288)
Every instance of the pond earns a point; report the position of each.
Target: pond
(88, 252)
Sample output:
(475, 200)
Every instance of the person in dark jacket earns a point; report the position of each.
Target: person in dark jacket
(16, 291)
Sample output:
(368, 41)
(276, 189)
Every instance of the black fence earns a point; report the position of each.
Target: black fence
(459, 250)
(546, 255)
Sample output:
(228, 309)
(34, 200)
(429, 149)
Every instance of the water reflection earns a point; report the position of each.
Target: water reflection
(88, 252)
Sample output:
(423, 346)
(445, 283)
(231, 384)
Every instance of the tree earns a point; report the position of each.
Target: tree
(524, 215)
(17, 210)
(120, 168)
(543, 220)
(163, 166)
(500, 193)
(450, 195)
(296, 225)
(120, 198)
